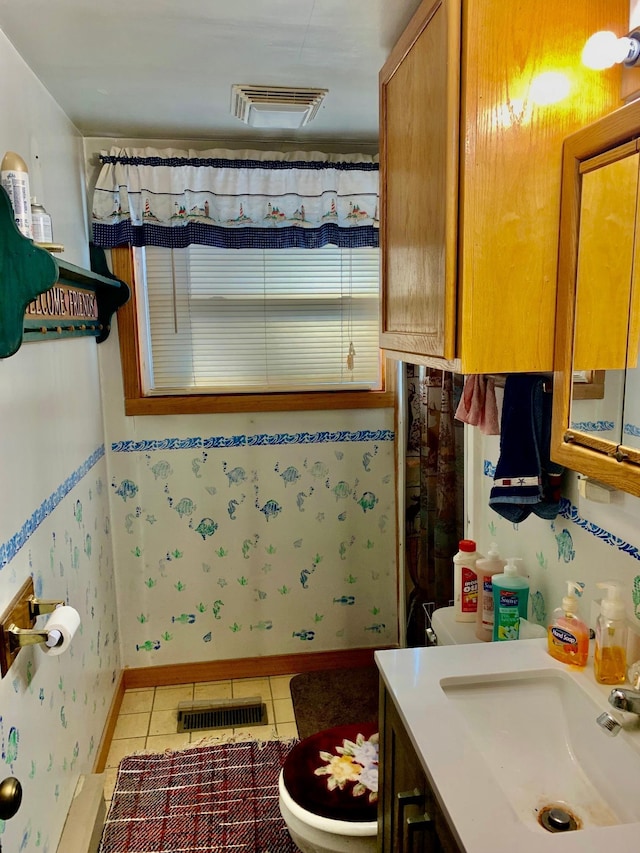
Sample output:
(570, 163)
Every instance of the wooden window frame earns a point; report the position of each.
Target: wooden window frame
(136, 403)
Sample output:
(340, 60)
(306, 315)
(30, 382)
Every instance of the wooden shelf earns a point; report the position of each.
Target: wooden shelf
(44, 298)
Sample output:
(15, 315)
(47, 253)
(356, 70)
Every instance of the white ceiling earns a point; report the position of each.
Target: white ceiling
(164, 68)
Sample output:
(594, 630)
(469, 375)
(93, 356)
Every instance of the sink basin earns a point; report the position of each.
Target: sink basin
(537, 733)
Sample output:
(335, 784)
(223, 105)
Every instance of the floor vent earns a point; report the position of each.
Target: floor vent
(221, 714)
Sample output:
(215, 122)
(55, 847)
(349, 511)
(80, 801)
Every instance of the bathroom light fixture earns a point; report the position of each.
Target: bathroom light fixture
(604, 49)
(275, 106)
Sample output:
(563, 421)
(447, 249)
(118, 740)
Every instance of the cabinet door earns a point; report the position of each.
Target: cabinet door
(603, 291)
(598, 312)
(471, 129)
(409, 818)
(418, 154)
(513, 127)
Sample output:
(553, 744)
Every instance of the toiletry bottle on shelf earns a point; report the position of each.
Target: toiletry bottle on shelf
(568, 636)
(486, 568)
(610, 656)
(510, 600)
(40, 223)
(465, 581)
(14, 176)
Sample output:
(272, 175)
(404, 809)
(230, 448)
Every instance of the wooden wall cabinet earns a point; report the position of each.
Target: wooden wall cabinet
(409, 818)
(598, 321)
(470, 161)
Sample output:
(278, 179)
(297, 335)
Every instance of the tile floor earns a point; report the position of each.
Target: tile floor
(148, 718)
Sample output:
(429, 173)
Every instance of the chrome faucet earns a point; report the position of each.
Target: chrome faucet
(625, 700)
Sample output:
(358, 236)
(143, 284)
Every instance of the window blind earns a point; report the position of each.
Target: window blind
(261, 320)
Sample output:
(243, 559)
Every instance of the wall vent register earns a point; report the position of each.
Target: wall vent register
(221, 714)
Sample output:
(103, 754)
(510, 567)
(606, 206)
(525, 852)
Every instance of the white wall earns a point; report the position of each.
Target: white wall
(54, 523)
(587, 542)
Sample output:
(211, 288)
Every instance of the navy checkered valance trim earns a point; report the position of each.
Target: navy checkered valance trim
(243, 199)
(223, 163)
(126, 234)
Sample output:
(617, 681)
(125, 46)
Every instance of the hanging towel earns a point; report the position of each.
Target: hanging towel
(526, 480)
(477, 405)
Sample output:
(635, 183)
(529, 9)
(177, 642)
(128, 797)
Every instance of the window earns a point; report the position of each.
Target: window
(261, 320)
(227, 330)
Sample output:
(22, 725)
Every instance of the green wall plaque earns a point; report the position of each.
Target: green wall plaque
(43, 298)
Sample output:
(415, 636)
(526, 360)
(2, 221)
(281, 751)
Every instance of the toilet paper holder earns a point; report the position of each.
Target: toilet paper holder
(19, 637)
(23, 611)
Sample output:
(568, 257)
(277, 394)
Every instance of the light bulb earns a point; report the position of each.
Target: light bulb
(604, 49)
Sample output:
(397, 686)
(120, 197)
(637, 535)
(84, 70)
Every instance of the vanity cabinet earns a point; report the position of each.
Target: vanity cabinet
(409, 818)
(470, 163)
(598, 326)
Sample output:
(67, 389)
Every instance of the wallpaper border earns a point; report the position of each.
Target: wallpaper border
(570, 512)
(258, 440)
(9, 549)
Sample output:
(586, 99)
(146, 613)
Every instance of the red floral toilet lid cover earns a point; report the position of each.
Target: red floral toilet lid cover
(334, 773)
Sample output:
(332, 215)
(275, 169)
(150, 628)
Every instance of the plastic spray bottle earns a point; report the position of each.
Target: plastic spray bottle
(465, 581)
(510, 600)
(14, 176)
(610, 657)
(486, 568)
(568, 636)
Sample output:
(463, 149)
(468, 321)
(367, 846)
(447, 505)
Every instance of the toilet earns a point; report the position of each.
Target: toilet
(328, 790)
(323, 821)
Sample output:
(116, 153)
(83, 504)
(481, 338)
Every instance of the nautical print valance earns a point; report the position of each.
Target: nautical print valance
(235, 199)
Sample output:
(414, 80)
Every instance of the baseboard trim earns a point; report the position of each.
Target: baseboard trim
(110, 725)
(220, 670)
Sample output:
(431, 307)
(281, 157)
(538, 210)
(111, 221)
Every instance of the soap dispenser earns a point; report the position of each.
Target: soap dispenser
(510, 599)
(610, 657)
(486, 568)
(568, 636)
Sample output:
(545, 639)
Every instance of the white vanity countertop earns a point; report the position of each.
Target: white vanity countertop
(467, 790)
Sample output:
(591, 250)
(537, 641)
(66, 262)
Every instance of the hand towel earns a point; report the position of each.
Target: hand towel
(478, 406)
(526, 480)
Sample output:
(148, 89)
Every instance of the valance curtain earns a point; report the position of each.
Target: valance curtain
(235, 199)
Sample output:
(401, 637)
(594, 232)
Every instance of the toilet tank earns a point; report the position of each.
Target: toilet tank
(448, 631)
(452, 633)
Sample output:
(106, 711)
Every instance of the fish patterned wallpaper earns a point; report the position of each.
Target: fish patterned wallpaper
(53, 708)
(587, 542)
(234, 546)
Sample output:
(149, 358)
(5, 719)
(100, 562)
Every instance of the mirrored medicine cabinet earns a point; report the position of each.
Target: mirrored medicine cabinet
(598, 303)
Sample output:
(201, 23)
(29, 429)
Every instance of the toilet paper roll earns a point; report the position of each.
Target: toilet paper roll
(61, 626)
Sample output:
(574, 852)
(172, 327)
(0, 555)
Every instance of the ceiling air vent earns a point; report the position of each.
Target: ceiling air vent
(275, 106)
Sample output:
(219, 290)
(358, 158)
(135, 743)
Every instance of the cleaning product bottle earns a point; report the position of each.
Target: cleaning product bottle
(465, 581)
(40, 223)
(486, 568)
(14, 176)
(610, 657)
(510, 600)
(568, 636)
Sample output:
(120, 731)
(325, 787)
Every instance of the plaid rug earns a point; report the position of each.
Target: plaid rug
(200, 800)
